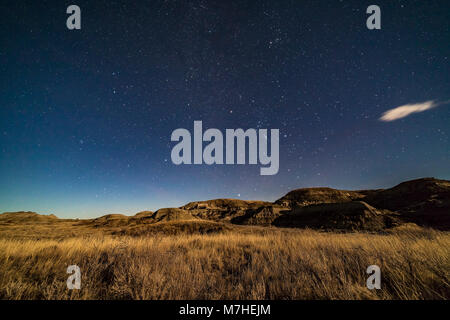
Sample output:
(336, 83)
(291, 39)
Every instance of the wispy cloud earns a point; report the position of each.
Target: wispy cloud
(407, 109)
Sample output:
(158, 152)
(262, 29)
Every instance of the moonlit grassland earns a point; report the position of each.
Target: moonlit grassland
(242, 263)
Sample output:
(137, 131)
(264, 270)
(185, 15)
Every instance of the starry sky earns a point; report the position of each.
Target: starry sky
(86, 115)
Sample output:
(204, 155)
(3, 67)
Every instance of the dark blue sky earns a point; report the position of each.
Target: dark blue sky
(86, 115)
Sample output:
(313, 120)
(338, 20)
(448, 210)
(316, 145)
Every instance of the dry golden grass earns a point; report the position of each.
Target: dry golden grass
(244, 263)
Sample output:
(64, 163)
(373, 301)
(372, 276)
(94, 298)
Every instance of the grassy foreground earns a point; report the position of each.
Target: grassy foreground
(272, 264)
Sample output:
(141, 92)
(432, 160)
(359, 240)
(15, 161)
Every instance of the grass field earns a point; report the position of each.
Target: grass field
(242, 263)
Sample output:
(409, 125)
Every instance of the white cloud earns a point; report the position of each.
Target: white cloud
(406, 110)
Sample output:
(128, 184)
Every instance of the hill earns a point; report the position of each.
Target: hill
(26, 217)
(308, 196)
(350, 216)
(425, 202)
(222, 209)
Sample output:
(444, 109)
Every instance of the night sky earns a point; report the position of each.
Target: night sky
(86, 115)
